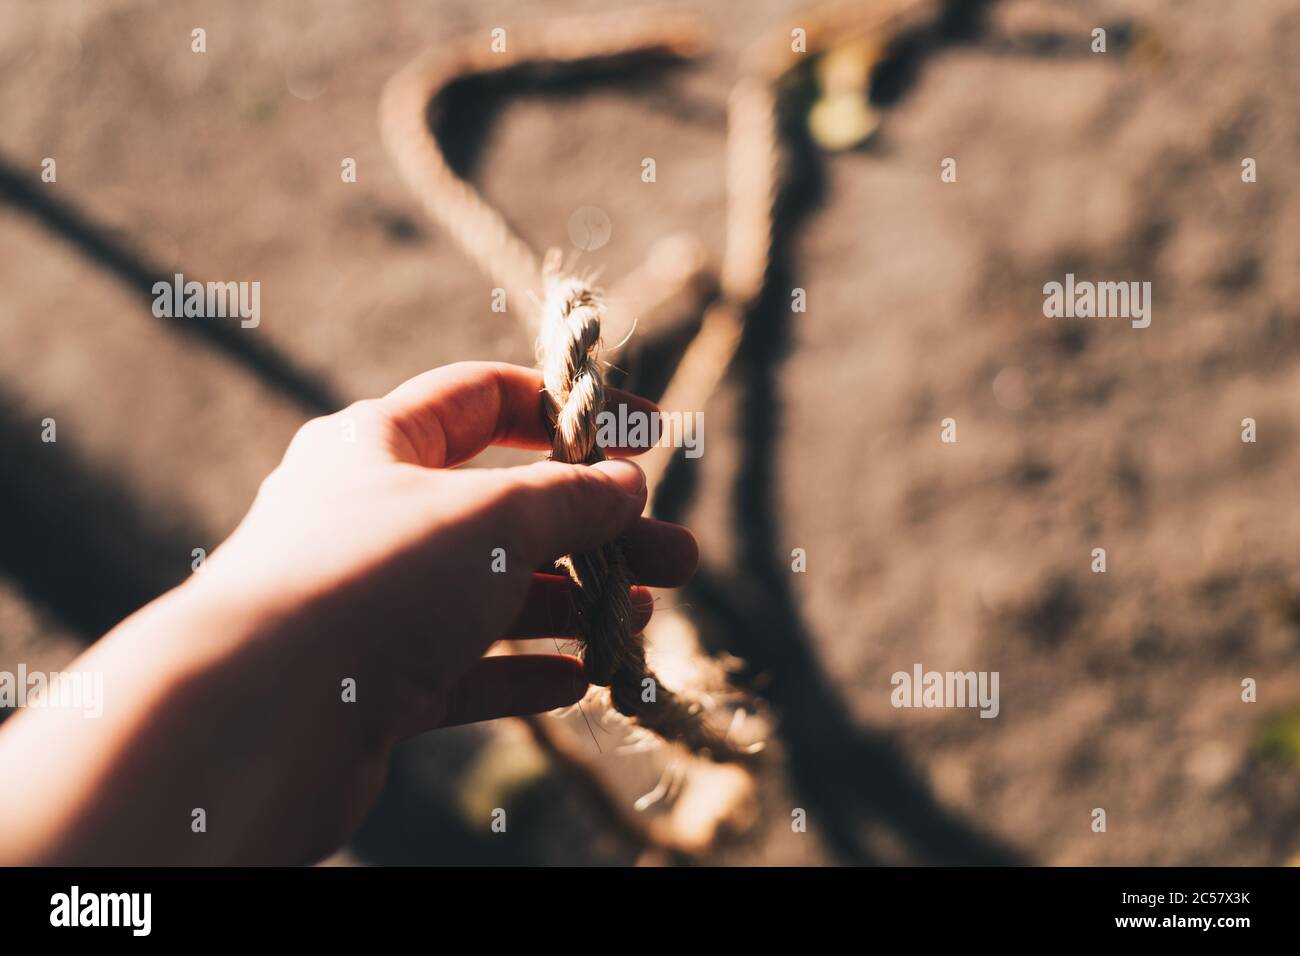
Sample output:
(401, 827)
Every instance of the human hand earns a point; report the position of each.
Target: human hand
(365, 558)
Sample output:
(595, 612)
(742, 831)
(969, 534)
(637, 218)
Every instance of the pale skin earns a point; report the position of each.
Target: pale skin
(365, 557)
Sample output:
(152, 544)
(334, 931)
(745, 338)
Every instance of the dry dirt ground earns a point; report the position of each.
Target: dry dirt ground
(1120, 690)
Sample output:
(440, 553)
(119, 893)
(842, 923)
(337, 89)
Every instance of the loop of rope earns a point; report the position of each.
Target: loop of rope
(568, 326)
(568, 318)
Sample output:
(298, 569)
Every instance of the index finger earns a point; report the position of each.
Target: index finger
(452, 413)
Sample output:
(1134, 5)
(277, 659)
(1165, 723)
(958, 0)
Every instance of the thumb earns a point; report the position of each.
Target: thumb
(555, 509)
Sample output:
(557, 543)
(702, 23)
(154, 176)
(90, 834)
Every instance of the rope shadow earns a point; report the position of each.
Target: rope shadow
(76, 542)
(97, 243)
(853, 778)
(462, 115)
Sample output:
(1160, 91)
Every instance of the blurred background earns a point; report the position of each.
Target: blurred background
(1119, 690)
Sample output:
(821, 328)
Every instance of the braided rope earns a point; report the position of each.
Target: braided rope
(570, 312)
(568, 350)
(414, 94)
(753, 155)
(567, 322)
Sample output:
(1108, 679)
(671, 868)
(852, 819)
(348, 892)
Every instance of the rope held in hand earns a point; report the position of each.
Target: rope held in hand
(568, 325)
(568, 350)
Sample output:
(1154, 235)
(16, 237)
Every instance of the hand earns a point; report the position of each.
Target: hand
(365, 562)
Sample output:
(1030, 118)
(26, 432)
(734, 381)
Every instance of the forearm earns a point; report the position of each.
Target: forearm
(186, 726)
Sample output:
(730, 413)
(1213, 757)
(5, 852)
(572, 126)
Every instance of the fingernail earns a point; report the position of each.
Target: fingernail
(626, 474)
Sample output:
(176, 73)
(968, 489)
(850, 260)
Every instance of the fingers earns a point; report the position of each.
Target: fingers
(550, 611)
(553, 509)
(514, 686)
(660, 554)
(450, 414)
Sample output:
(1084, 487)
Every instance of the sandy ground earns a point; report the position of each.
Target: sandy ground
(1119, 691)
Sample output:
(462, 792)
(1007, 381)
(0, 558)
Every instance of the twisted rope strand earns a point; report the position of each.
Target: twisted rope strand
(415, 91)
(568, 321)
(569, 354)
